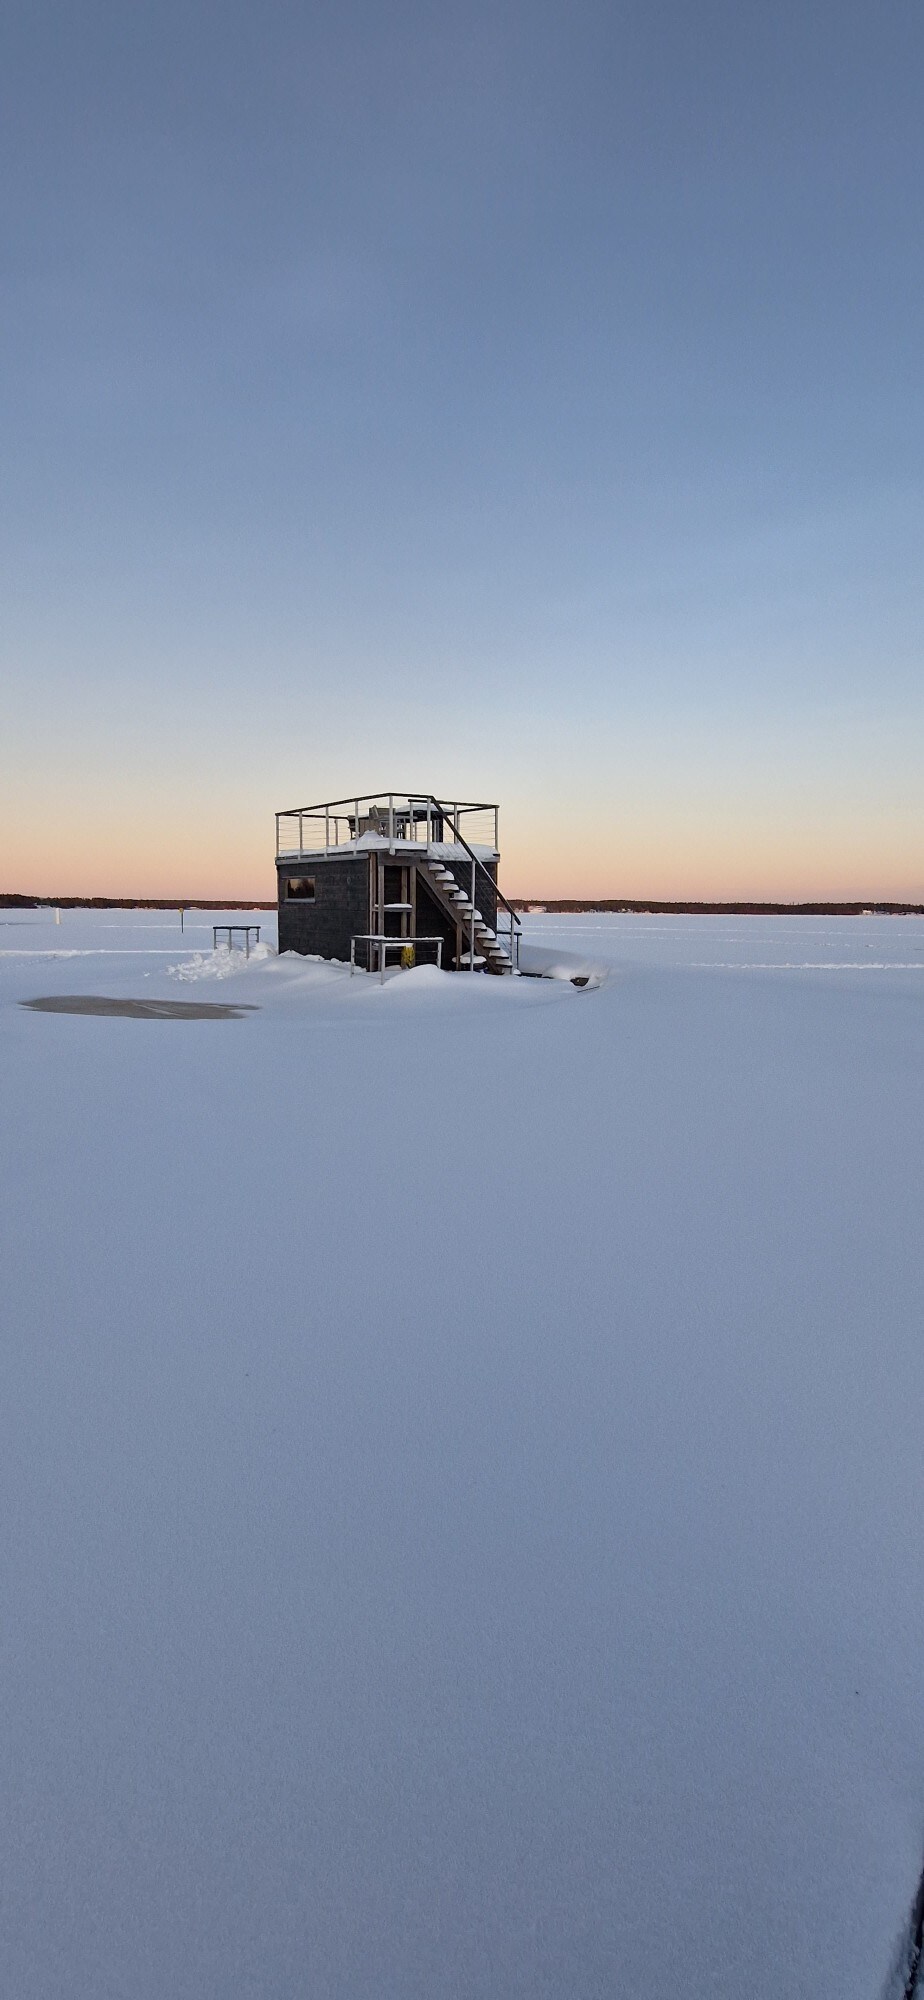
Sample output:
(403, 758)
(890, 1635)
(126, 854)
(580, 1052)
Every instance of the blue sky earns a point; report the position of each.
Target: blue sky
(523, 402)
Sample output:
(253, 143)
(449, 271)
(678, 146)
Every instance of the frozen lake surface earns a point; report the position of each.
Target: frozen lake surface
(462, 1466)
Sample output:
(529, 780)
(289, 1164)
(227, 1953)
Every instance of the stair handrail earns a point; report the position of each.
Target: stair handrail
(445, 814)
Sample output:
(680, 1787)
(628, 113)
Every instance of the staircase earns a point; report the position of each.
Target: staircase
(490, 953)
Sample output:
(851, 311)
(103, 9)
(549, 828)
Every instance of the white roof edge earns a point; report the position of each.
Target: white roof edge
(438, 850)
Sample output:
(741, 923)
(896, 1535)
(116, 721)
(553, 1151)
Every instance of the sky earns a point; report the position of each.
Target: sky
(510, 401)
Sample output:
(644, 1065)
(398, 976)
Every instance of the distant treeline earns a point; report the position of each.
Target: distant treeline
(569, 907)
(628, 908)
(128, 903)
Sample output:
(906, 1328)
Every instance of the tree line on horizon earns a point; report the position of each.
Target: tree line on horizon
(568, 906)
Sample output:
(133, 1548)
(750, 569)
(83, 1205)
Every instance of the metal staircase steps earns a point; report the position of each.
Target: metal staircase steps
(489, 951)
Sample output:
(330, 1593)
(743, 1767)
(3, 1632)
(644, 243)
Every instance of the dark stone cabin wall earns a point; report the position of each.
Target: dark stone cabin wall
(432, 921)
(339, 912)
(341, 909)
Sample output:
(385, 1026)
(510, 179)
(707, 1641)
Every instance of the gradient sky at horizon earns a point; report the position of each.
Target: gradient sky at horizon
(522, 402)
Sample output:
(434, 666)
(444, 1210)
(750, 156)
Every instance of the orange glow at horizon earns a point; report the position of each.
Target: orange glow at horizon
(720, 856)
(725, 856)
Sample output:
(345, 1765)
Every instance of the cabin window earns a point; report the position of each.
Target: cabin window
(300, 888)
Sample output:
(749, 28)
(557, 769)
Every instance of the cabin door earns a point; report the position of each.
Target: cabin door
(396, 900)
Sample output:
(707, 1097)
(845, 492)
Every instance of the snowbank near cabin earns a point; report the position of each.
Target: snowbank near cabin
(539, 962)
(462, 1470)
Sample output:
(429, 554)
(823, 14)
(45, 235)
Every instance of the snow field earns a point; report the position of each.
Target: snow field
(462, 1470)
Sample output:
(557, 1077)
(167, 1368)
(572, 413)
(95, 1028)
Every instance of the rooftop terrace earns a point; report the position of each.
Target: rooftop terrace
(397, 820)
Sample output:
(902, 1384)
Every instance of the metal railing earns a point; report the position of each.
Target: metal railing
(230, 931)
(415, 818)
(514, 925)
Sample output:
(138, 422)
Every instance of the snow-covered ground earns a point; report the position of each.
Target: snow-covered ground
(462, 1470)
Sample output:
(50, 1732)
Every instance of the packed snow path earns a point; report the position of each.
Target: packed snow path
(462, 1470)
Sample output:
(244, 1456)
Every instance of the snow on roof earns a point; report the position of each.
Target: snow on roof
(439, 850)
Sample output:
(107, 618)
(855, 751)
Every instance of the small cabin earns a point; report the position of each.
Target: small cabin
(393, 878)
